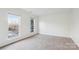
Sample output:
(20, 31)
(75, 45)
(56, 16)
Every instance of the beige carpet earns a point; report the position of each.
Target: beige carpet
(43, 42)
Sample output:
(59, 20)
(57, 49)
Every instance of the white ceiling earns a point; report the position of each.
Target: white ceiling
(46, 11)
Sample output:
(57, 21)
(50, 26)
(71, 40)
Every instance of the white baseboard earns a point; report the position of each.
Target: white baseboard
(56, 35)
(76, 42)
(9, 41)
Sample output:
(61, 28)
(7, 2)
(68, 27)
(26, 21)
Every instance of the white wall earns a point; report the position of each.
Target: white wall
(75, 26)
(61, 24)
(57, 24)
(24, 29)
(3, 25)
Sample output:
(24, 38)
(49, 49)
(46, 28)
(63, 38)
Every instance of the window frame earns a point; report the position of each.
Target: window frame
(19, 31)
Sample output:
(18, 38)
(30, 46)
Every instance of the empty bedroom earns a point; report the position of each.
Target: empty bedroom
(39, 28)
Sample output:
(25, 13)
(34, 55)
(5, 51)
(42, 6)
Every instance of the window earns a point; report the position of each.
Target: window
(32, 25)
(13, 25)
